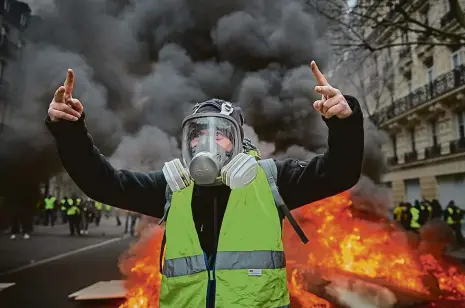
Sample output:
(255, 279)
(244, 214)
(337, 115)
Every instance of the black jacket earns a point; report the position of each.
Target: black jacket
(299, 182)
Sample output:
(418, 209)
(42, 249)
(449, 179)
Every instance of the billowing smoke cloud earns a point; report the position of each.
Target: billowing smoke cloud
(142, 153)
(140, 66)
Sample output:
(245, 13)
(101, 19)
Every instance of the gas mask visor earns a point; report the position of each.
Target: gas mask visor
(209, 142)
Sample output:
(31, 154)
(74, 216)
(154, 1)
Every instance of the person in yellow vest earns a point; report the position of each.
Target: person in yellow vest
(40, 213)
(73, 215)
(98, 212)
(63, 207)
(414, 218)
(454, 217)
(78, 202)
(131, 226)
(87, 215)
(397, 213)
(107, 210)
(50, 203)
(223, 208)
(428, 208)
(423, 212)
(400, 215)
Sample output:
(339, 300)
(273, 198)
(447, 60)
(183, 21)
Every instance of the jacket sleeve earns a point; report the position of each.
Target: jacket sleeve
(98, 179)
(338, 169)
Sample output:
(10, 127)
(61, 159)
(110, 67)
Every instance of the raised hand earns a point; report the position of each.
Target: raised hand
(63, 105)
(332, 102)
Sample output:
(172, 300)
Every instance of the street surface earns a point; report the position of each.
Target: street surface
(51, 265)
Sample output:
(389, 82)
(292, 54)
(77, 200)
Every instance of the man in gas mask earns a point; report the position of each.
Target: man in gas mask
(223, 209)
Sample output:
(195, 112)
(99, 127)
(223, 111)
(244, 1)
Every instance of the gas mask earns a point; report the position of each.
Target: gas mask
(212, 151)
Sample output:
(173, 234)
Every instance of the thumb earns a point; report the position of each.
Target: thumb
(76, 105)
(318, 105)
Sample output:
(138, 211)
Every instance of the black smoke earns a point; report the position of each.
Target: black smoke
(141, 64)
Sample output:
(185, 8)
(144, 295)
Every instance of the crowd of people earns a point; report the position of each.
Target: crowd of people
(413, 216)
(75, 212)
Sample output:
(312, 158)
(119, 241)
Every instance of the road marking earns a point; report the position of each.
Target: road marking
(4, 286)
(61, 256)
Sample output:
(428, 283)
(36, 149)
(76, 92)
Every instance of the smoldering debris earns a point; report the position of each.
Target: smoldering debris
(371, 198)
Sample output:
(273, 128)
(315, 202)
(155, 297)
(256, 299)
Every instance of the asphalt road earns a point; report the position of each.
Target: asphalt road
(47, 242)
(62, 265)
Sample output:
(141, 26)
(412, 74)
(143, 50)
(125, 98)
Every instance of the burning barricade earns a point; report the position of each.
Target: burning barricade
(355, 258)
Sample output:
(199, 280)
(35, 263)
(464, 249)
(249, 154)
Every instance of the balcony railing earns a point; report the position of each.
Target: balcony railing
(442, 84)
(410, 157)
(457, 146)
(448, 17)
(433, 151)
(392, 161)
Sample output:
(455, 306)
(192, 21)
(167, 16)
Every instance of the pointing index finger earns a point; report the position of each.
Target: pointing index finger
(69, 83)
(320, 78)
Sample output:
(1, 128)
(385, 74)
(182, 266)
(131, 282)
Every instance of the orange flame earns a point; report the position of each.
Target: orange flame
(341, 242)
(142, 268)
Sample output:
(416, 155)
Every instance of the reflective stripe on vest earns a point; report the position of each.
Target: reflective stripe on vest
(450, 221)
(63, 204)
(250, 265)
(225, 260)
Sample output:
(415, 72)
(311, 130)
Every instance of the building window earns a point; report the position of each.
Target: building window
(412, 139)
(461, 124)
(434, 132)
(457, 59)
(430, 75)
(394, 144)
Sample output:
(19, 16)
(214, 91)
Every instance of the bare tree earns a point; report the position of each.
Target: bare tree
(376, 24)
(371, 74)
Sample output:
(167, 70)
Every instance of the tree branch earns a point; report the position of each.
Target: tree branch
(361, 17)
(457, 11)
(393, 45)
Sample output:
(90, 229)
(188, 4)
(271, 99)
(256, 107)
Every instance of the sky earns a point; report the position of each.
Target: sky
(351, 3)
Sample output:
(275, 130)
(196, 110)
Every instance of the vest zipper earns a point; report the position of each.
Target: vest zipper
(216, 237)
(211, 271)
(209, 279)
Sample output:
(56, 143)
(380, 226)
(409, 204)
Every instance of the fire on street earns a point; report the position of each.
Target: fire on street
(351, 260)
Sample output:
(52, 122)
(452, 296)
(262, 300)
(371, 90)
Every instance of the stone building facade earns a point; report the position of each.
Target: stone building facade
(416, 94)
